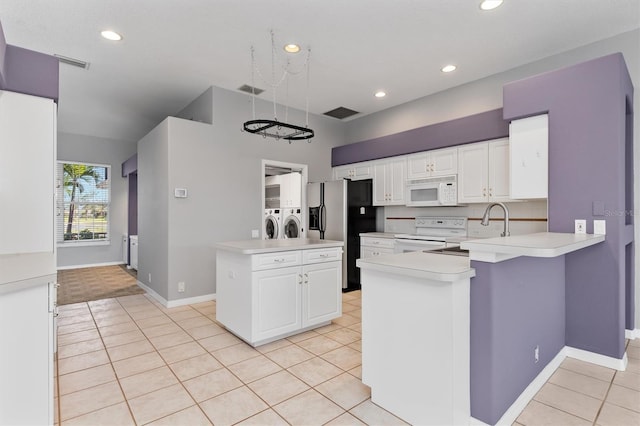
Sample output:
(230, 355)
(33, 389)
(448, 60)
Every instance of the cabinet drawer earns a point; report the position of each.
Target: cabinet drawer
(281, 259)
(377, 242)
(321, 255)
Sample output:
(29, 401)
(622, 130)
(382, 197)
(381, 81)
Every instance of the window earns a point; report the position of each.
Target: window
(84, 193)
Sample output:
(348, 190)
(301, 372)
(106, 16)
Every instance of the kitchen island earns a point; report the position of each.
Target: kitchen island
(415, 335)
(446, 338)
(270, 289)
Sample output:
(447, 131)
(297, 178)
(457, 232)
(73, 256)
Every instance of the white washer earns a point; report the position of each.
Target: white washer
(272, 224)
(291, 223)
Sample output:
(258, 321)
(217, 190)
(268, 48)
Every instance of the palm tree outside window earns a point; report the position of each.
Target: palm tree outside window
(83, 202)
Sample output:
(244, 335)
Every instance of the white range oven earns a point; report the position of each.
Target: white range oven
(432, 233)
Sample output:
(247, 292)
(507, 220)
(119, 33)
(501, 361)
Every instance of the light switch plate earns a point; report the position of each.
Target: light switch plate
(581, 226)
(180, 192)
(600, 227)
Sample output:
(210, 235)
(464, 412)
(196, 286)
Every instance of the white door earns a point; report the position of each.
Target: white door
(276, 301)
(397, 177)
(499, 170)
(473, 173)
(444, 162)
(380, 184)
(321, 292)
(417, 166)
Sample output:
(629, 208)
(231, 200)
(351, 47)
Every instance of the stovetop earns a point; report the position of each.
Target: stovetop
(437, 228)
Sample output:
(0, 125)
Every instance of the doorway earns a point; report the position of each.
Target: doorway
(284, 188)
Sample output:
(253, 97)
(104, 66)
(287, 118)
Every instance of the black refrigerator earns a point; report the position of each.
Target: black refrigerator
(341, 210)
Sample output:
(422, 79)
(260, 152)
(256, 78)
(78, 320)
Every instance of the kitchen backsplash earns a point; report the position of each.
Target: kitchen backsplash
(530, 216)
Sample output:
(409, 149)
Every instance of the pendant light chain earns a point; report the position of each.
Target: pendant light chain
(307, 95)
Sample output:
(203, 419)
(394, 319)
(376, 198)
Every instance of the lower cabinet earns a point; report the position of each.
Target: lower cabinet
(374, 246)
(272, 298)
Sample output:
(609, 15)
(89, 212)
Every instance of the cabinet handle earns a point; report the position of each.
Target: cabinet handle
(299, 279)
(375, 242)
(324, 255)
(306, 278)
(375, 253)
(280, 260)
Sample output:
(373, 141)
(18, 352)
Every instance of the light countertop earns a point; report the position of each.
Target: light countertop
(390, 235)
(437, 267)
(541, 244)
(272, 246)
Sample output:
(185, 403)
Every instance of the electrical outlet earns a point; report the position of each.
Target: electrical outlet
(149, 277)
(581, 226)
(181, 287)
(600, 227)
(255, 233)
(536, 354)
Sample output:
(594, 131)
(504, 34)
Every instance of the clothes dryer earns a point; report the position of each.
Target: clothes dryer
(272, 224)
(291, 223)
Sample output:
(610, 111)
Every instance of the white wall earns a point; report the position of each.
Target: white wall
(221, 167)
(91, 149)
(486, 94)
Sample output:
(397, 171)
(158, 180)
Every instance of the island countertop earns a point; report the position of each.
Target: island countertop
(541, 244)
(273, 246)
(437, 267)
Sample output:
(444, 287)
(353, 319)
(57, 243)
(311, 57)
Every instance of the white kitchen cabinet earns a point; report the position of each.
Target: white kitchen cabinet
(483, 172)
(290, 190)
(529, 158)
(27, 310)
(439, 162)
(264, 297)
(374, 246)
(389, 178)
(27, 159)
(356, 171)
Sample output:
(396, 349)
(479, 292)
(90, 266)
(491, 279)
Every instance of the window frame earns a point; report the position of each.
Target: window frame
(60, 207)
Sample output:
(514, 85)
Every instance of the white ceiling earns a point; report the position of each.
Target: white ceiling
(173, 50)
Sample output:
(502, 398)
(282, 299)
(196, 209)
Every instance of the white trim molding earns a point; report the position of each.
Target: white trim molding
(179, 302)
(594, 358)
(632, 334)
(91, 265)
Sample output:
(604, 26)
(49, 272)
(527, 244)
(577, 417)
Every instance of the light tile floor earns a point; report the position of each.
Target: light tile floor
(129, 360)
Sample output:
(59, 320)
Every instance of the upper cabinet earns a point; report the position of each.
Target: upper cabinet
(290, 190)
(432, 163)
(389, 178)
(529, 158)
(27, 158)
(358, 171)
(483, 172)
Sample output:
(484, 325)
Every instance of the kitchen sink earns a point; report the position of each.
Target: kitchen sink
(453, 251)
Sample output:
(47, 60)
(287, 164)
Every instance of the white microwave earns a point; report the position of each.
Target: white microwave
(435, 191)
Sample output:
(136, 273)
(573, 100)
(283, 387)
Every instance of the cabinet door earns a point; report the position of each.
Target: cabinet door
(321, 292)
(276, 302)
(529, 139)
(341, 172)
(418, 166)
(396, 180)
(27, 158)
(473, 173)
(361, 171)
(499, 170)
(379, 184)
(444, 162)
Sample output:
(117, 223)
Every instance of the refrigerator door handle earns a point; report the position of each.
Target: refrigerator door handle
(323, 220)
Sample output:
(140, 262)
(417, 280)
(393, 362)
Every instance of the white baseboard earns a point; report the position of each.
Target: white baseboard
(180, 302)
(512, 413)
(510, 416)
(632, 334)
(90, 265)
(594, 358)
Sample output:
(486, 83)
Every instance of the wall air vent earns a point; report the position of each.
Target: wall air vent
(250, 89)
(71, 61)
(341, 113)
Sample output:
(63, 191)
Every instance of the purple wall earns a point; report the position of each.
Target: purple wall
(28, 72)
(474, 128)
(587, 105)
(511, 313)
(132, 214)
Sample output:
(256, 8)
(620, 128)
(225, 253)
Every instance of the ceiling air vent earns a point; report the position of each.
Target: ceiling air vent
(250, 89)
(71, 61)
(341, 113)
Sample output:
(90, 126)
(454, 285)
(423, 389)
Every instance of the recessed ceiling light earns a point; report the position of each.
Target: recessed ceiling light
(380, 94)
(291, 48)
(490, 4)
(111, 35)
(448, 68)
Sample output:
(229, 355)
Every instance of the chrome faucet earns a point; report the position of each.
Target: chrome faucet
(485, 218)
